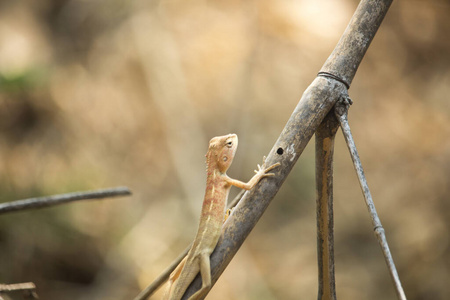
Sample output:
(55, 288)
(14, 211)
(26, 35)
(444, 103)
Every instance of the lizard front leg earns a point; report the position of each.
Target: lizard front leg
(260, 173)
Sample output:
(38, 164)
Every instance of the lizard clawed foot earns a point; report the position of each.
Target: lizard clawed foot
(228, 213)
(263, 170)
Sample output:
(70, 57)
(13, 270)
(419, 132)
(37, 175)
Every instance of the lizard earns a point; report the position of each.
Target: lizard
(219, 157)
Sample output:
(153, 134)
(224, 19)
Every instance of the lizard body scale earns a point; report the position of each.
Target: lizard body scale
(219, 157)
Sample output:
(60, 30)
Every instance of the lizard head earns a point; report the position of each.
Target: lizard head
(221, 150)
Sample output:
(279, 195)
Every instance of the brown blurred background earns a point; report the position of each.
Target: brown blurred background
(97, 94)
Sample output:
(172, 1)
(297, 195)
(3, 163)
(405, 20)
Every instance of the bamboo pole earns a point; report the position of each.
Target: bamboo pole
(325, 136)
(315, 103)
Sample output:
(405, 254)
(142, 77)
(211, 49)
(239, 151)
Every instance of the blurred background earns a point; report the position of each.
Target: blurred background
(96, 94)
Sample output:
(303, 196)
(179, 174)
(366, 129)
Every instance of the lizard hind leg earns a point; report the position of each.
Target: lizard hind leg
(205, 272)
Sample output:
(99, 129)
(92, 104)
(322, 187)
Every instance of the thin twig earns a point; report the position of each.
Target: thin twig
(29, 288)
(149, 290)
(40, 202)
(341, 114)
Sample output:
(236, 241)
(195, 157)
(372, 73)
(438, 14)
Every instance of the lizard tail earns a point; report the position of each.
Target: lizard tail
(190, 270)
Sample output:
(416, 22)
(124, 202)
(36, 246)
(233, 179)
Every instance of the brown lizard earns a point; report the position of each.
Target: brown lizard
(218, 159)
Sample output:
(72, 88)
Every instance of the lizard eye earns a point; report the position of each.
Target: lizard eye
(229, 144)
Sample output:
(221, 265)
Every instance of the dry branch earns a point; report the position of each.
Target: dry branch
(41, 202)
(341, 114)
(325, 136)
(28, 288)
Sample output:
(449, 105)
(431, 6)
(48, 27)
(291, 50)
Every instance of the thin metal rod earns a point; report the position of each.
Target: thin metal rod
(325, 136)
(40, 202)
(149, 290)
(341, 109)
